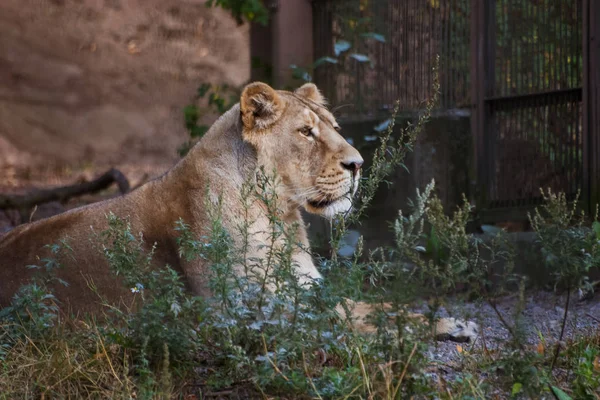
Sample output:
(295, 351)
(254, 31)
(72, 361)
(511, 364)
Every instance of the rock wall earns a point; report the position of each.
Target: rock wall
(105, 81)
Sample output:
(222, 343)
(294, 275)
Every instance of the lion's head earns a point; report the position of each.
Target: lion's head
(295, 134)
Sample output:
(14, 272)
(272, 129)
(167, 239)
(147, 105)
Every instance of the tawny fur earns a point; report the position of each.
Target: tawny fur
(268, 130)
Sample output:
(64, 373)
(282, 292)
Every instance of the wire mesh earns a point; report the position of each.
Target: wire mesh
(538, 46)
(399, 40)
(536, 143)
(534, 136)
(532, 132)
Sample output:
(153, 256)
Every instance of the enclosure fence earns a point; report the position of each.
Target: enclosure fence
(526, 71)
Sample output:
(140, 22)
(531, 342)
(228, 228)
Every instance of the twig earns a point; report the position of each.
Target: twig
(271, 361)
(592, 317)
(364, 372)
(506, 325)
(485, 349)
(108, 357)
(312, 384)
(412, 353)
(562, 330)
(33, 212)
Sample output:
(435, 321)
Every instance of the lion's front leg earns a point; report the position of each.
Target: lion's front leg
(305, 269)
(445, 329)
(197, 277)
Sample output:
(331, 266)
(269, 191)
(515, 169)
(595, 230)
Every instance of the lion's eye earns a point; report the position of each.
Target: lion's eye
(306, 131)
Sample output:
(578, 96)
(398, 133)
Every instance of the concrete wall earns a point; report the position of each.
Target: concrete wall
(286, 40)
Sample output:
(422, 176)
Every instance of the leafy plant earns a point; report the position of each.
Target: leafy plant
(586, 357)
(167, 315)
(250, 10)
(344, 51)
(220, 98)
(570, 246)
(34, 308)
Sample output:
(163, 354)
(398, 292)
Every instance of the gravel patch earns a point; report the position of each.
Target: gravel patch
(542, 317)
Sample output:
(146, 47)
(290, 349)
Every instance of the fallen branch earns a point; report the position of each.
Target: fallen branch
(27, 201)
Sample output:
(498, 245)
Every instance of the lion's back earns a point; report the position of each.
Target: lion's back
(80, 258)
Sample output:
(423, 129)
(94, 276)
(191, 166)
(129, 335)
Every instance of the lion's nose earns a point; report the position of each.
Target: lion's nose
(353, 164)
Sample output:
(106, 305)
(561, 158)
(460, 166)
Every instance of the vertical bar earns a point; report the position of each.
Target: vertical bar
(261, 51)
(489, 82)
(591, 102)
(482, 72)
(476, 66)
(444, 73)
(586, 86)
(411, 56)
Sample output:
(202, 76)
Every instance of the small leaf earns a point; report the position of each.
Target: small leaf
(62, 282)
(596, 228)
(324, 60)
(203, 89)
(300, 73)
(383, 126)
(433, 243)
(191, 115)
(198, 131)
(540, 348)
(256, 325)
(516, 388)
(360, 57)
(492, 230)
(560, 395)
(373, 35)
(341, 46)
(211, 98)
(175, 308)
(459, 349)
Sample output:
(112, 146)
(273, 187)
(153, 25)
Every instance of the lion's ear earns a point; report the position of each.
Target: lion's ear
(310, 91)
(260, 105)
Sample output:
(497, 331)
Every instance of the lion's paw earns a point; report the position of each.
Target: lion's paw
(456, 330)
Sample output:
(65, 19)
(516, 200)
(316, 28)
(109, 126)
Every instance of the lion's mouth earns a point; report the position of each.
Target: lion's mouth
(326, 202)
(322, 203)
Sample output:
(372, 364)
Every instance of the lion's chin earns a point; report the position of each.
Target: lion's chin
(330, 209)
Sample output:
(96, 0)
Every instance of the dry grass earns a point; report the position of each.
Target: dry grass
(67, 363)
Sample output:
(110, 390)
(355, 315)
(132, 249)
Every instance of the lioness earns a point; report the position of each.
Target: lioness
(291, 133)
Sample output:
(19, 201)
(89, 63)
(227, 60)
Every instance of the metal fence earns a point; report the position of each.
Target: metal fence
(525, 69)
(528, 120)
(400, 39)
